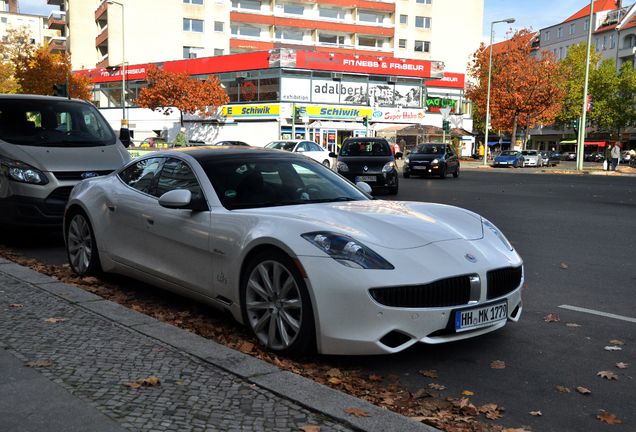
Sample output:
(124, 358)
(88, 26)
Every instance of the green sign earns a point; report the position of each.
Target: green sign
(434, 104)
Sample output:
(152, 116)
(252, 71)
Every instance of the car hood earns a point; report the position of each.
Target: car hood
(52, 159)
(390, 224)
(505, 158)
(424, 157)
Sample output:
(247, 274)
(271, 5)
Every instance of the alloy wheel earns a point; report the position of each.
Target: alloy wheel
(273, 304)
(80, 244)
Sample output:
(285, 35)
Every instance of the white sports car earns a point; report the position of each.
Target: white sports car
(299, 254)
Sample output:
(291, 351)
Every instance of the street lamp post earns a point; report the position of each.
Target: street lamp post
(124, 123)
(581, 138)
(492, 32)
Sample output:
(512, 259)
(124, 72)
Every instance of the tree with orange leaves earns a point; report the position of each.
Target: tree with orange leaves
(40, 71)
(167, 90)
(525, 90)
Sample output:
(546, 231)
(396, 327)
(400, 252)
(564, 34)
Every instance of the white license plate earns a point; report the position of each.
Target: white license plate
(420, 167)
(365, 178)
(469, 319)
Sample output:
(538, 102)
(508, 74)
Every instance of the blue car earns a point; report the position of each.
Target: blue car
(509, 158)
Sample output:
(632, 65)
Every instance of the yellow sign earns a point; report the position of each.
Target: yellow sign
(263, 110)
(334, 112)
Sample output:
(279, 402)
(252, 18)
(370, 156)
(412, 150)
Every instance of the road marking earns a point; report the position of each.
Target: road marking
(595, 312)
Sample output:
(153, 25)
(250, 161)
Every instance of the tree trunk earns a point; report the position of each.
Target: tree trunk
(181, 117)
(514, 132)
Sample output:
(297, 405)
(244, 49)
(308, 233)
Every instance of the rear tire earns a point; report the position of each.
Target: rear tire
(81, 247)
(276, 305)
(456, 173)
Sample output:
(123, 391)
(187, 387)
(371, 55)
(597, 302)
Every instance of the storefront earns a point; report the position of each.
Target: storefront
(286, 93)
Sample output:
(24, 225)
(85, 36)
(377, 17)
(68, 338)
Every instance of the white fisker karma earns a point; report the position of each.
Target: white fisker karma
(307, 260)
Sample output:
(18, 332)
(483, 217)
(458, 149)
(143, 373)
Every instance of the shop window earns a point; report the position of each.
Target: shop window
(269, 89)
(193, 25)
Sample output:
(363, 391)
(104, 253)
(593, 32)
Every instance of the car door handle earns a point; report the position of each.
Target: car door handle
(110, 207)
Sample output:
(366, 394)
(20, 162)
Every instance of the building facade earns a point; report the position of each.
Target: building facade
(164, 30)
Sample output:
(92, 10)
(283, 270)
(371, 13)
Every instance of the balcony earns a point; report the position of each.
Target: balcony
(57, 20)
(101, 10)
(57, 45)
(246, 44)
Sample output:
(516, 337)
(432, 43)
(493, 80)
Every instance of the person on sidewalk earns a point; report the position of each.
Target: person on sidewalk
(608, 157)
(616, 154)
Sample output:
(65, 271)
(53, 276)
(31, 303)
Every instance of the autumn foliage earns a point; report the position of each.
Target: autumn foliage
(525, 90)
(37, 74)
(168, 90)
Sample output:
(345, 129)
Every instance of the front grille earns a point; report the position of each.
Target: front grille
(56, 201)
(503, 281)
(77, 175)
(445, 292)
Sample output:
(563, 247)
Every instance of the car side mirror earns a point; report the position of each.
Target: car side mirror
(332, 155)
(125, 137)
(364, 187)
(176, 199)
(399, 155)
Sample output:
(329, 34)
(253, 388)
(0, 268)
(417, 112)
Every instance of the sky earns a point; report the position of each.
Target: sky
(35, 7)
(536, 14)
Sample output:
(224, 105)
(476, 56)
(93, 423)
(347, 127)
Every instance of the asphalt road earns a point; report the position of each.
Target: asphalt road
(577, 236)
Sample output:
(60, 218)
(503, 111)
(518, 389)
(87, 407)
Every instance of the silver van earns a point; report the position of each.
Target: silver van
(47, 145)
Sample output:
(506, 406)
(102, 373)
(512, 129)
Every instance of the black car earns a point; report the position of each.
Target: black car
(431, 159)
(368, 160)
(551, 158)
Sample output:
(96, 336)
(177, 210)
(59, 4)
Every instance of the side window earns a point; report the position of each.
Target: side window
(141, 175)
(314, 147)
(176, 174)
(302, 147)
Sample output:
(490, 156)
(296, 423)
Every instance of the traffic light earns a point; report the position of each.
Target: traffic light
(60, 90)
(365, 121)
(446, 125)
(574, 124)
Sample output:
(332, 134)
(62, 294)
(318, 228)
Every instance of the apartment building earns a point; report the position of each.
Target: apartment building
(105, 33)
(11, 18)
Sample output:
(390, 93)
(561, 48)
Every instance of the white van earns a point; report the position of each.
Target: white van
(47, 145)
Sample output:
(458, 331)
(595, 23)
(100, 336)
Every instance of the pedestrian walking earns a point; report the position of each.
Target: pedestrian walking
(608, 157)
(616, 154)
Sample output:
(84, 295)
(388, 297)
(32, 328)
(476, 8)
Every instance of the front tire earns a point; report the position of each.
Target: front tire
(456, 173)
(276, 305)
(442, 173)
(326, 163)
(81, 247)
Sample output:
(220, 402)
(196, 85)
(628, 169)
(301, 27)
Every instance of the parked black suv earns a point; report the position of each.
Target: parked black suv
(431, 159)
(368, 160)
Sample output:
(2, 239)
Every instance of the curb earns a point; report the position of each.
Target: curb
(303, 391)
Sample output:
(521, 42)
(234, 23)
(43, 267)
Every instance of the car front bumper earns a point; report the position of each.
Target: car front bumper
(373, 179)
(423, 169)
(349, 321)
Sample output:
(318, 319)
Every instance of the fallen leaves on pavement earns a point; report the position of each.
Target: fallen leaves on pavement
(15, 306)
(310, 428)
(608, 418)
(39, 363)
(536, 413)
(564, 266)
(55, 320)
(151, 381)
(622, 365)
(551, 318)
(497, 364)
(357, 412)
(616, 342)
(583, 390)
(562, 389)
(429, 373)
(607, 375)
(613, 348)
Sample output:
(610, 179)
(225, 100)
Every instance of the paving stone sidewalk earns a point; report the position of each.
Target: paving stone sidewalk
(90, 348)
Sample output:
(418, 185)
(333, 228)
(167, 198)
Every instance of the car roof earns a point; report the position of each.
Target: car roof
(365, 139)
(210, 153)
(38, 97)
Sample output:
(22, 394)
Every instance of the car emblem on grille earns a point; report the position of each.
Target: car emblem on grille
(89, 174)
(471, 258)
(365, 168)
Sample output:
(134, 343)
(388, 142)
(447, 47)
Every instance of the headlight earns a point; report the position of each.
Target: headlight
(435, 161)
(407, 160)
(23, 173)
(342, 167)
(489, 225)
(347, 251)
(388, 167)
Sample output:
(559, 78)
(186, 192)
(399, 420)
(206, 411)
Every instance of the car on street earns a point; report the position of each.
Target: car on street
(368, 160)
(47, 145)
(307, 148)
(531, 158)
(431, 159)
(302, 257)
(568, 156)
(508, 158)
(551, 158)
(230, 143)
(594, 157)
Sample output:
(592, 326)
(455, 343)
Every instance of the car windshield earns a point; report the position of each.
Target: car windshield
(281, 145)
(435, 149)
(53, 123)
(529, 152)
(509, 153)
(365, 148)
(270, 182)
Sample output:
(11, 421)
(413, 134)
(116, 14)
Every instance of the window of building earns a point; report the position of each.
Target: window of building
(560, 32)
(572, 29)
(423, 22)
(289, 34)
(373, 17)
(612, 41)
(404, 19)
(191, 52)
(402, 43)
(195, 2)
(368, 41)
(424, 2)
(246, 4)
(219, 51)
(422, 46)
(219, 26)
(331, 13)
(605, 42)
(3, 20)
(193, 25)
(546, 36)
(586, 24)
(293, 9)
(332, 39)
(561, 53)
(245, 30)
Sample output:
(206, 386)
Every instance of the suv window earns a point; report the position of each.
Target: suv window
(176, 174)
(366, 148)
(53, 123)
(435, 149)
(141, 175)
